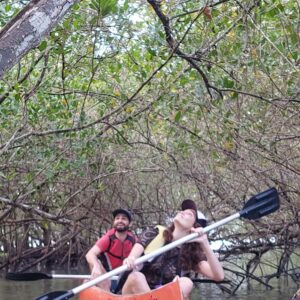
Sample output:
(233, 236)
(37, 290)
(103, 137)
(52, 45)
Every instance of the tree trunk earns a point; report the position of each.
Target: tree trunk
(26, 30)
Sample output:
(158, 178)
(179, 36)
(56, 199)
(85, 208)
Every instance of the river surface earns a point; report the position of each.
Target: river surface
(13, 290)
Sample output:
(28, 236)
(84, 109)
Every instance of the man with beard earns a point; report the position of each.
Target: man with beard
(111, 249)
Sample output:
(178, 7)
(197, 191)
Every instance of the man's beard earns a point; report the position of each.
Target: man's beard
(121, 229)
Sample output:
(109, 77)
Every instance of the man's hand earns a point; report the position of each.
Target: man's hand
(96, 271)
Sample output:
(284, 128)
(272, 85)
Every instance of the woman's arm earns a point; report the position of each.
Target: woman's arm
(211, 268)
(135, 253)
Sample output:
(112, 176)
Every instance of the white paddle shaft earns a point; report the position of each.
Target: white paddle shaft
(72, 276)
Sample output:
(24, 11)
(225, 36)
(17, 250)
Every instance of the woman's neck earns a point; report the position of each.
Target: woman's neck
(179, 232)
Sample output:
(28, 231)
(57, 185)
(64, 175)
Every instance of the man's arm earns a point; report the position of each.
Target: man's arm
(94, 263)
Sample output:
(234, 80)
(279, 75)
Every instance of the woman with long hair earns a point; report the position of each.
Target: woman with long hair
(194, 256)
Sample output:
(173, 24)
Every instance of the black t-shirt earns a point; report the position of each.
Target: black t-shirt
(163, 268)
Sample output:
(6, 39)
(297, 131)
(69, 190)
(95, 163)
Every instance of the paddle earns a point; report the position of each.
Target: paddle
(256, 207)
(38, 276)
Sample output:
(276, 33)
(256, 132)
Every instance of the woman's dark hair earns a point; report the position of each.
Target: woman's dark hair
(202, 222)
(190, 254)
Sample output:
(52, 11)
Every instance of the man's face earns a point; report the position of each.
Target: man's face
(121, 223)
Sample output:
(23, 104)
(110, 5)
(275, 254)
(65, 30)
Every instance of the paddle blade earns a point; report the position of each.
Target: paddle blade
(57, 295)
(261, 205)
(26, 276)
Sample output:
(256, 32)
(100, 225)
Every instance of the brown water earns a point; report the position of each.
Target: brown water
(29, 290)
(13, 290)
(282, 290)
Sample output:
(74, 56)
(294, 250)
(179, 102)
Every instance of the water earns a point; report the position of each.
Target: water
(29, 290)
(13, 290)
(283, 289)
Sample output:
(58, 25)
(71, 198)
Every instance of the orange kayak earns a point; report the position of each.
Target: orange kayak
(166, 292)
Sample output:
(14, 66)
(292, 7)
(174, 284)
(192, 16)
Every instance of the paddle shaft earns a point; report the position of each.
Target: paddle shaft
(71, 276)
(153, 254)
(38, 276)
(67, 276)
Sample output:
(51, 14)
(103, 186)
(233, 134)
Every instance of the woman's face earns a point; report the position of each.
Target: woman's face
(186, 218)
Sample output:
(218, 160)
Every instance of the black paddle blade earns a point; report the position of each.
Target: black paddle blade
(57, 295)
(261, 205)
(26, 276)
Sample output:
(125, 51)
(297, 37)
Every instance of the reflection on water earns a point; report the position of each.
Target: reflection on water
(11, 290)
(29, 290)
(283, 289)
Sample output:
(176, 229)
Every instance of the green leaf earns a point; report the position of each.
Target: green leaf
(17, 96)
(178, 116)
(151, 51)
(126, 5)
(7, 7)
(144, 74)
(228, 83)
(76, 6)
(161, 34)
(43, 46)
(104, 8)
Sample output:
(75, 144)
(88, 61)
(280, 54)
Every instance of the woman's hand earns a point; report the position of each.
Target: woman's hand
(130, 262)
(202, 236)
(136, 252)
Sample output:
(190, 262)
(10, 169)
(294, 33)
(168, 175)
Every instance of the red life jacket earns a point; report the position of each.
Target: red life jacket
(116, 251)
